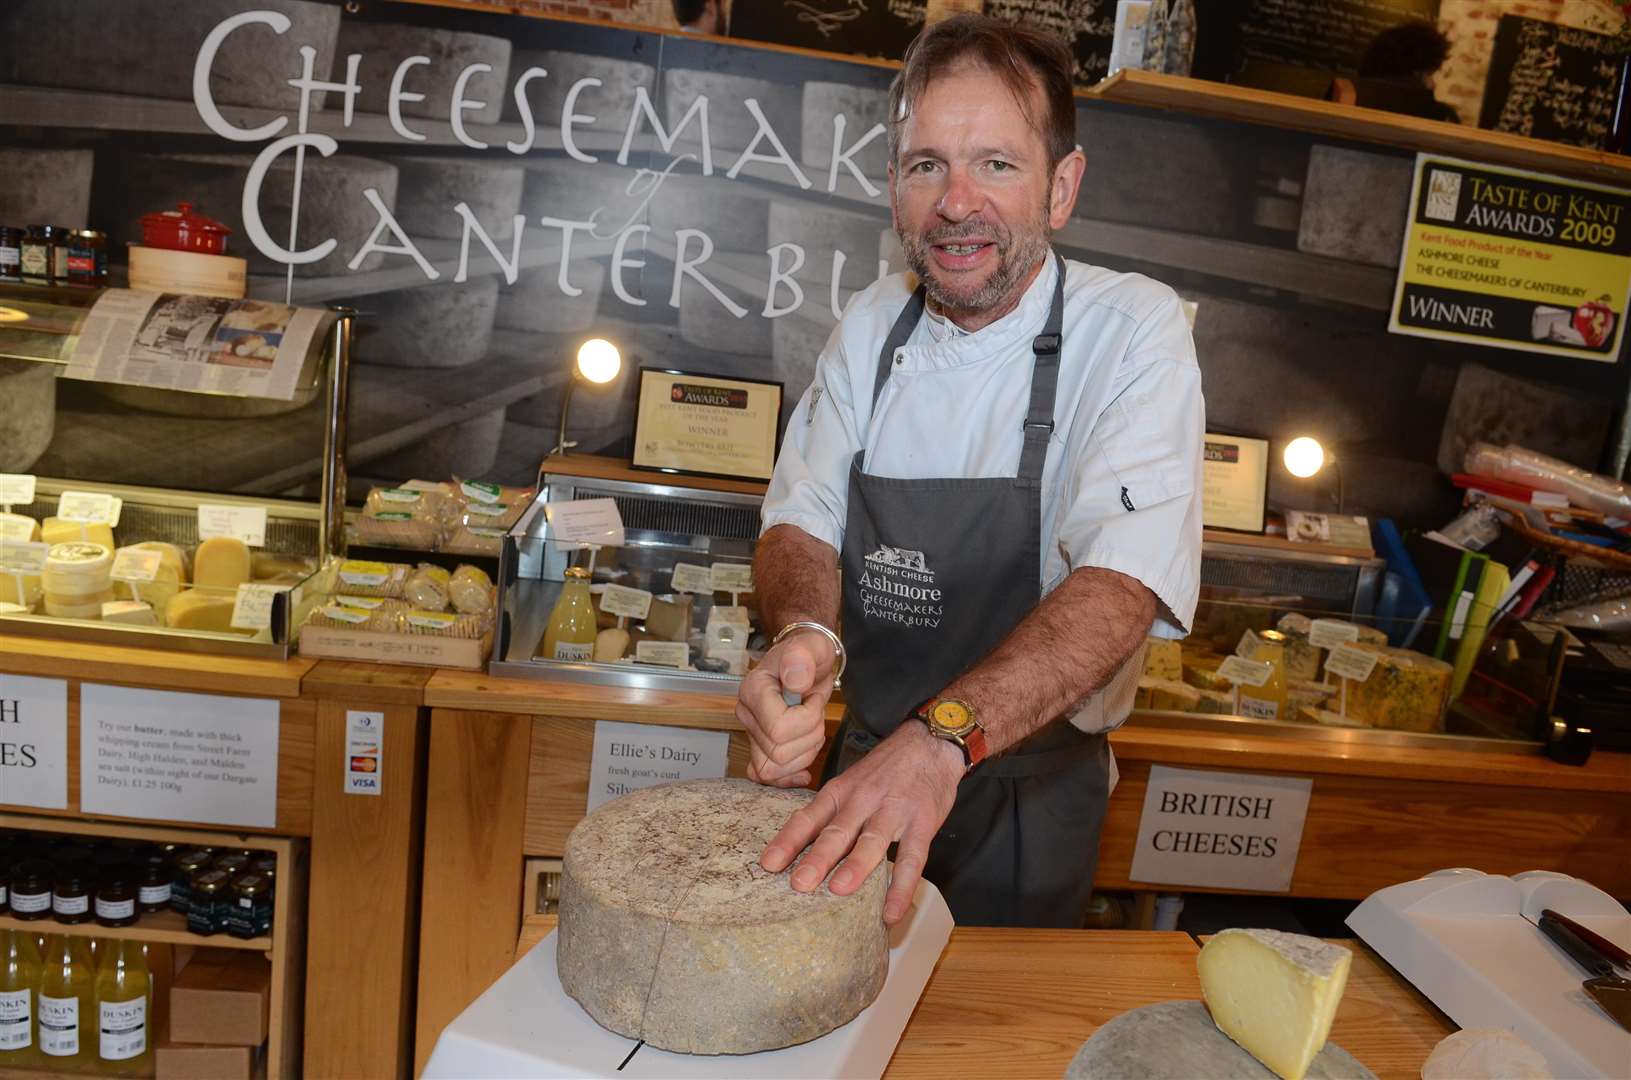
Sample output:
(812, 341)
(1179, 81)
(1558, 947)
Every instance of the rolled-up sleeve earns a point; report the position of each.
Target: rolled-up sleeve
(810, 485)
(1134, 494)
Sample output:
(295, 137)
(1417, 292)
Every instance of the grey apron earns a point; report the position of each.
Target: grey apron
(936, 574)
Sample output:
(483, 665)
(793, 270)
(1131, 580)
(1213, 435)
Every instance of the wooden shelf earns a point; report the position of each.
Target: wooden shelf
(1229, 102)
(169, 927)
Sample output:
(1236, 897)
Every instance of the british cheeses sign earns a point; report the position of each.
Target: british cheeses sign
(1218, 829)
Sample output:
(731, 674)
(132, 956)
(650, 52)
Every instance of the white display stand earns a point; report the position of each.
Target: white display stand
(526, 1026)
(1468, 941)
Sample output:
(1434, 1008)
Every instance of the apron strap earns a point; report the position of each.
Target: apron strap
(1038, 428)
(905, 323)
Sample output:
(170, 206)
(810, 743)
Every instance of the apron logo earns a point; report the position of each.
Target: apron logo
(815, 399)
(897, 586)
(1127, 501)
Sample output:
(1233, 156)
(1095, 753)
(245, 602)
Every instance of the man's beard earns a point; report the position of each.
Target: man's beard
(1016, 257)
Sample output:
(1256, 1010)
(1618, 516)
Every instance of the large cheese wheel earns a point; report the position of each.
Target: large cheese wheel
(435, 325)
(730, 125)
(428, 188)
(45, 185)
(28, 412)
(821, 230)
(385, 45)
(671, 932)
(332, 203)
(201, 406)
(469, 448)
(536, 303)
(136, 50)
(609, 103)
(862, 107)
(572, 191)
(734, 215)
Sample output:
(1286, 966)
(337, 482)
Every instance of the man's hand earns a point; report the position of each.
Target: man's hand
(785, 739)
(902, 790)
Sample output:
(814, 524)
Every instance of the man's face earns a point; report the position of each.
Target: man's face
(973, 197)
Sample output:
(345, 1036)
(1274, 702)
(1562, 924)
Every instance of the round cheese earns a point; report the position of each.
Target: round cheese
(444, 325)
(536, 303)
(609, 104)
(862, 107)
(428, 189)
(168, 578)
(730, 125)
(1484, 1054)
(385, 45)
(671, 932)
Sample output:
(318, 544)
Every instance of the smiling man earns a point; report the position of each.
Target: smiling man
(994, 480)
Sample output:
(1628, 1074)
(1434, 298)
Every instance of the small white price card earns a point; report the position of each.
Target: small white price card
(136, 564)
(674, 654)
(622, 600)
(1348, 662)
(23, 558)
(585, 521)
(252, 610)
(16, 528)
(731, 577)
(16, 489)
(689, 577)
(88, 507)
(1329, 633)
(246, 523)
(1248, 644)
(1239, 670)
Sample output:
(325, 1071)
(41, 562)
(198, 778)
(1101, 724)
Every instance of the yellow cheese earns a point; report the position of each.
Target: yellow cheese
(88, 607)
(19, 588)
(19, 528)
(1166, 694)
(1311, 694)
(197, 609)
(168, 579)
(130, 612)
(54, 531)
(1406, 691)
(76, 581)
(1216, 702)
(221, 562)
(1163, 660)
(1274, 993)
(1203, 673)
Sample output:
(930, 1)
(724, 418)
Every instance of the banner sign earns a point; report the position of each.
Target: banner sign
(1514, 260)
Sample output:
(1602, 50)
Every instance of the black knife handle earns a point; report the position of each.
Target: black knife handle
(1578, 950)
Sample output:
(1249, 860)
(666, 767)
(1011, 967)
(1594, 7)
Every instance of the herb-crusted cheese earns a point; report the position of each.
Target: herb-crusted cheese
(1407, 691)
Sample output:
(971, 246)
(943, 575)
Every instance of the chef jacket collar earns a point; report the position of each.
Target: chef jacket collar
(940, 351)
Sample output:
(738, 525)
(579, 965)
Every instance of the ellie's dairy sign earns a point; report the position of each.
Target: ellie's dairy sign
(34, 742)
(1224, 830)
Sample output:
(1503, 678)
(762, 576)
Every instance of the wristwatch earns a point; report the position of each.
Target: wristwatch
(955, 721)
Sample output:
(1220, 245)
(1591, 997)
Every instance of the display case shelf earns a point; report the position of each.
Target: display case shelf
(169, 927)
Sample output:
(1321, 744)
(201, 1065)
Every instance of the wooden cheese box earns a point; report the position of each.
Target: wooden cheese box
(469, 654)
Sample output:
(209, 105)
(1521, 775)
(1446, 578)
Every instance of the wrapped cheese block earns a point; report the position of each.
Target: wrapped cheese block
(361, 578)
(671, 932)
(167, 581)
(360, 613)
(442, 624)
(471, 591)
(426, 588)
(1406, 691)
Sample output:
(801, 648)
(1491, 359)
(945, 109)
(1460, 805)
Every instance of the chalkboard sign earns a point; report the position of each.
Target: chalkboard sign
(859, 27)
(1329, 35)
(1087, 26)
(1551, 82)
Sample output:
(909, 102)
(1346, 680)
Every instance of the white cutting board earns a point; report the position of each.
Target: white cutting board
(526, 1026)
(1467, 940)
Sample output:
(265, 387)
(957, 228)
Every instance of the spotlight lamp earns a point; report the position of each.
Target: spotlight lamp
(1304, 457)
(598, 364)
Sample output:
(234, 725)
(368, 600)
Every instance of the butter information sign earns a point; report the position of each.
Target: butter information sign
(628, 757)
(1514, 260)
(1223, 830)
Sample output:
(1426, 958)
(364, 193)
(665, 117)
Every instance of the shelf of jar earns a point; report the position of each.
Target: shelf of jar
(169, 927)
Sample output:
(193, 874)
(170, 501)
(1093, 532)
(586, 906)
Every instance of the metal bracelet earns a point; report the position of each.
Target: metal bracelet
(838, 646)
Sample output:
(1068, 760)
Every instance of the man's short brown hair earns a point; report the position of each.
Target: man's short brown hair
(1024, 58)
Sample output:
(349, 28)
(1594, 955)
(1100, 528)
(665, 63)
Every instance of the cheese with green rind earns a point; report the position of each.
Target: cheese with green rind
(1163, 659)
(1407, 691)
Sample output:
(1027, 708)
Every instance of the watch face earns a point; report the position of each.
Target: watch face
(952, 717)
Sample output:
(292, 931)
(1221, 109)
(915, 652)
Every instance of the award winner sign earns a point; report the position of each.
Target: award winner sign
(701, 424)
(1515, 260)
(1223, 830)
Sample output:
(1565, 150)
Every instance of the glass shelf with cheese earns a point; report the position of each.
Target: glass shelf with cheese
(669, 607)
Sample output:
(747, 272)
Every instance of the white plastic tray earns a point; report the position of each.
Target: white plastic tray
(1468, 941)
(526, 1026)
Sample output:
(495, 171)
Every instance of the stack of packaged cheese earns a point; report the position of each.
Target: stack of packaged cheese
(464, 517)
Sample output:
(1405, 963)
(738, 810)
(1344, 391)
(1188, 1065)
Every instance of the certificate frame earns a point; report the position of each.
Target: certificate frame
(1234, 499)
(652, 450)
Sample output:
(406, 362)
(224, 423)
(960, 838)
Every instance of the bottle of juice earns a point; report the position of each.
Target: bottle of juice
(19, 993)
(123, 1000)
(1267, 702)
(67, 994)
(571, 632)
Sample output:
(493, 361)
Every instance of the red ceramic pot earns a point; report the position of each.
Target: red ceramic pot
(182, 230)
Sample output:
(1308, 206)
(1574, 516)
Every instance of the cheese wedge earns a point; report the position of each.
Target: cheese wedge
(1274, 993)
(221, 562)
(54, 530)
(197, 609)
(130, 612)
(168, 579)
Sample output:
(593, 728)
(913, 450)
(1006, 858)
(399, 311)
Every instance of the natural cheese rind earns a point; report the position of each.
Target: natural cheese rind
(222, 562)
(1484, 1054)
(671, 932)
(1274, 993)
(1406, 691)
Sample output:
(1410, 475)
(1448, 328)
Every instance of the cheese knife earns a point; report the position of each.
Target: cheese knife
(1611, 991)
(1613, 952)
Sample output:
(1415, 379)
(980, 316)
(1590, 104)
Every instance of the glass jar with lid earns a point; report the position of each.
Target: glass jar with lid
(11, 254)
(188, 864)
(116, 894)
(31, 889)
(156, 882)
(71, 891)
(209, 900)
(87, 261)
(35, 255)
(251, 912)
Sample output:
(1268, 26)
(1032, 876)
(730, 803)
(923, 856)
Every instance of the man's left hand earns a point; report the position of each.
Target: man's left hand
(901, 791)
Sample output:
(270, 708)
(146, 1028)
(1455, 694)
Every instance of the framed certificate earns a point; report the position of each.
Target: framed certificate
(706, 425)
(1234, 482)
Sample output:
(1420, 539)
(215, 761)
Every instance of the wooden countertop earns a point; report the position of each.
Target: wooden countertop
(185, 671)
(1021, 1002)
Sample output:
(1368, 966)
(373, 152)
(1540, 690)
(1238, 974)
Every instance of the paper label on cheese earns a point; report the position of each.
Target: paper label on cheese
(20, 558)
(16, 527)
(490, 534)
(1329, 633)
(399, 495)
(431, 620)
(77, 553)
(136, 564)
(392, 515)
(731, 577)
(252, 609)
(1239, 670)
(674, 654)
(419, 485)
(486, 493)
(621, 600)
(691, 578)
(16, 489)
(1248, 644)
(246, 523)
(355, 572)
(1348, 662)
(88, 507)
(347, 614)
(366, 603)
(486, 509)
(585, 521)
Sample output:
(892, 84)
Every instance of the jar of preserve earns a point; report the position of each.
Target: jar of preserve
(88, 258)
(154, 886)
(71, 891)
(233, 862)
(210, 900)
(11, 254)
(251, 910)
(34, 257)
(61, 238)
(188, 864)
(31, 890)
(116, 895)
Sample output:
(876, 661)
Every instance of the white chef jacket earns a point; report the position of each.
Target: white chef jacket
(1128, 417)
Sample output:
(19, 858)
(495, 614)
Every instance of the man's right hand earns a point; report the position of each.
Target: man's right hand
(784, 739)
